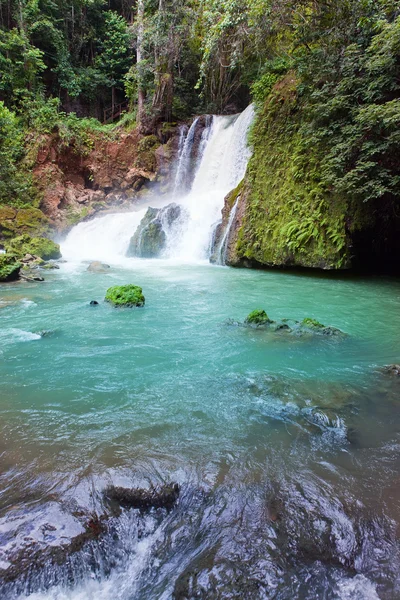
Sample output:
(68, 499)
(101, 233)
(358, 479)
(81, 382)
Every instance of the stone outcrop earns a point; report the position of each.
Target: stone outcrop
(149, 240)
(76, 183)
(98, 267)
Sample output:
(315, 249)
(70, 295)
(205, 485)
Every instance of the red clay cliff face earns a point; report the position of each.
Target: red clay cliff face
(75, 184)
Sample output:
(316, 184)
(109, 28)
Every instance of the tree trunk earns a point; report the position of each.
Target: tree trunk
(139, 55)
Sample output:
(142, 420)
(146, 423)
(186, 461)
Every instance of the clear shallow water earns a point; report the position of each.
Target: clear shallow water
(286, 449)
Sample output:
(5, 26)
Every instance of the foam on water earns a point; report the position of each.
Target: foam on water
(9, 336)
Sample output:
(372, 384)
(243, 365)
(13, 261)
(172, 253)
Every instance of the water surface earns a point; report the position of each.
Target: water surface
(286, 448)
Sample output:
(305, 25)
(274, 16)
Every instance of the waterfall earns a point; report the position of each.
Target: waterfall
(184, 157)
(223, 158)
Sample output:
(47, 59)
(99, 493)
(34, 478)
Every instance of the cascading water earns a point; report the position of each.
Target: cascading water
(223, 246)
(184, 157)
(223, 156)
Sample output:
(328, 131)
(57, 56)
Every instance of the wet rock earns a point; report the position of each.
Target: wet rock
(150, 238)
(125, 295)
(393, 370)
(315, 326)
(30, 275)
(163, 497)
(48, 266)
(258, 317)
(98, 267)
(45, 332)
(94, 303)
(34, 558)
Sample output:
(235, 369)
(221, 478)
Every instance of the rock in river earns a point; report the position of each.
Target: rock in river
(98, 267)
(125, 295)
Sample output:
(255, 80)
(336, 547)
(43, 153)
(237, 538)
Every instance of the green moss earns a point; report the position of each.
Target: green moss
(258, 317)
(291, 218)
(38, 246)
(313, 323)
(146, 153)
(24, 220)
(125, 295)
(234, 194)
(9, 268)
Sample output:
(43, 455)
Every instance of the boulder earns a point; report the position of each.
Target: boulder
(150, 238)
(37, 246)
(313, 326)
(125, 295)
(9, 267)
(98, 267)
(93, 303)
(258, 317)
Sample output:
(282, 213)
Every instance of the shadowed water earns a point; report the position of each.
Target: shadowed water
(286, 448)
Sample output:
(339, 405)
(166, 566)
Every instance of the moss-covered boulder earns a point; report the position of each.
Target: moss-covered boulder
(15, 222)
(9, 267)
(37, 246)
(313, 326)
(125, 295)
(312, 323)
(258, 317)
(149, 239)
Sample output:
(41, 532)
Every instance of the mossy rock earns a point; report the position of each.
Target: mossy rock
(38, 246)
(309, 325)
(258, 317)
(312, 324)
(125, 295)
(9, 267)
(15, 222)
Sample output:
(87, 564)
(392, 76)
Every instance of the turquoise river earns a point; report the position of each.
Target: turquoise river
(285, 448)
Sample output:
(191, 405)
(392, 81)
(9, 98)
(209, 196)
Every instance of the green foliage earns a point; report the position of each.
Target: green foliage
(15, 182)
(272, 73)
(9, 267)
(290, 218)
(125, 295)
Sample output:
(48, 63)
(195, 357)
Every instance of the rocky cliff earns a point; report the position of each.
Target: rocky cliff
(74, 181)
(286, 217)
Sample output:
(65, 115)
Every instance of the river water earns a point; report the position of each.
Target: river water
(285, 448)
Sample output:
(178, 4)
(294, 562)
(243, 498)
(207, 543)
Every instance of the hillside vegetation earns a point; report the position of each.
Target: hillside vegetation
(323, 186)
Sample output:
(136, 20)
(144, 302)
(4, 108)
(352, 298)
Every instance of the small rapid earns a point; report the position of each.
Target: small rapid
(222, 162)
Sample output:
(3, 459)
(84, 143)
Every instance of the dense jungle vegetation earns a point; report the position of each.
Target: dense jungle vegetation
(65, 66)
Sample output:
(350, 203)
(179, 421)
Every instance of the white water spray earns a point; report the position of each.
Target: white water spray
(223, 163)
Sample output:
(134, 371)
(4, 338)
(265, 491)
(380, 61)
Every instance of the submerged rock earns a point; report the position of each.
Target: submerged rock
(163, 497)
(98, 267)
(9, 268)
(315, 326)
(259, 319)
(150, 238)
(36, 246)
(392, 370)
(125, 295)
